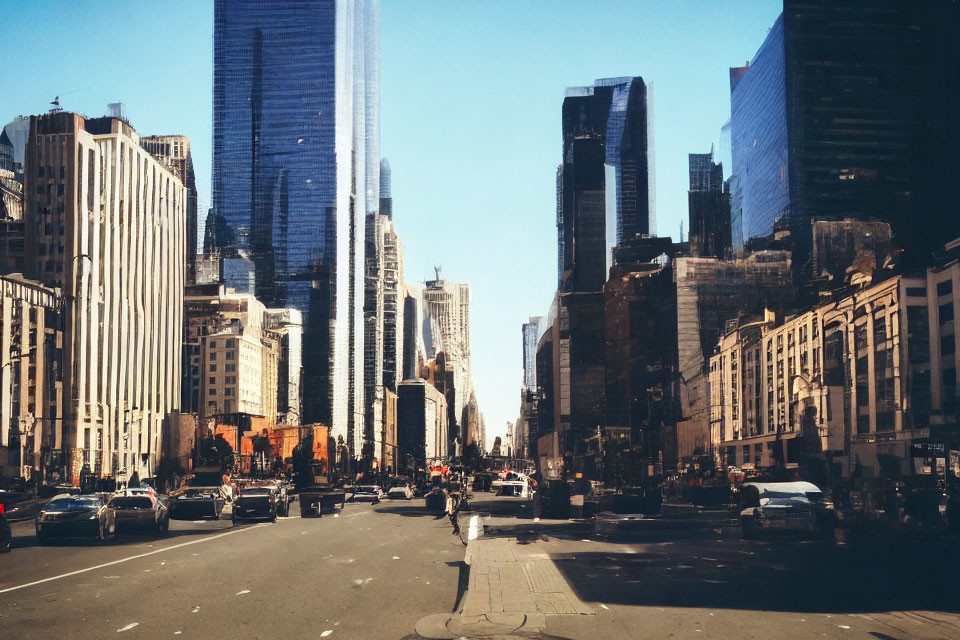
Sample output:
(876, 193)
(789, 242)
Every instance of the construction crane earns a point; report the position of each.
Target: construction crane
(56, 100)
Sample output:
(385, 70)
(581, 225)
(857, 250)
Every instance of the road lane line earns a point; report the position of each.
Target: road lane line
(136, 557)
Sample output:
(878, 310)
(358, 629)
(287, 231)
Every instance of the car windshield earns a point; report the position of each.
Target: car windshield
(366, 489)
(131, 503)
(255, 493)
(72, 504)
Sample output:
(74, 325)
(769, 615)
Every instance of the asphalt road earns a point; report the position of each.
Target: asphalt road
(372, 573)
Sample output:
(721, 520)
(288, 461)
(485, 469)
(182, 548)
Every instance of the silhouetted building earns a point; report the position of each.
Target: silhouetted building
(848, 110)
(607, 191)
(709, 208)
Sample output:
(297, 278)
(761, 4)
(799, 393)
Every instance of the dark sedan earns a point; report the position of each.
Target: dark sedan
(258, 503)
(76, 516)
(141, 511)
(191, 504)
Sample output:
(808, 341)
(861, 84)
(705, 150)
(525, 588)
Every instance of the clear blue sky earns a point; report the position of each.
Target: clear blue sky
(470, 118)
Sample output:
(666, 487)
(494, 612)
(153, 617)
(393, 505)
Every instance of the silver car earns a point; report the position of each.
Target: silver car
(784, 507)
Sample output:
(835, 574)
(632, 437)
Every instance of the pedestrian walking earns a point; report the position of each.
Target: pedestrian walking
(453, 510)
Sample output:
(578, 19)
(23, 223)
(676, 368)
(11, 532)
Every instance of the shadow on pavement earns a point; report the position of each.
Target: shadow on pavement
(777, 576)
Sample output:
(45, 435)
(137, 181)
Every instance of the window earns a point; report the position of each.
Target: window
(213, 380)
(231, 355)
(947, 345)
(943, 288)
(917, 291)
(231, 343)
(213, 344)
(213, 355)
(229, 367)
(213, 391)
(946, 313)
(228, 391)
(213, 367)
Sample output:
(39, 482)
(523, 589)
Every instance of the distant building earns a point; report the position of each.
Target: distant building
(173, 151)
(709, 208)
(606, 184)
(386, 197)
(123, 277)
(531, 333)
(240, 356)
(421, 423)
(31, 380)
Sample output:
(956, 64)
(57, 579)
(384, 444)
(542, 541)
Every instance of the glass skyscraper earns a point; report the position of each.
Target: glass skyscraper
(296, 116)
(605, 186)
(857, 125)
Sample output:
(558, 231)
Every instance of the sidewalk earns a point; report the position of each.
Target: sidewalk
(513, 586)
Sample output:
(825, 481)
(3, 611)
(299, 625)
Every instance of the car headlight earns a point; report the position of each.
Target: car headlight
(93, 516)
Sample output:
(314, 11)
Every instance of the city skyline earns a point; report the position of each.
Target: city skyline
(173, 95)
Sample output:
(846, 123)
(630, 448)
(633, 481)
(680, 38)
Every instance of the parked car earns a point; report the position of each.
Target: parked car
(366, 493)
(76, 516)
(255, 503)
(6, 535)
(134, 509)
(400, 492)
(784, 507)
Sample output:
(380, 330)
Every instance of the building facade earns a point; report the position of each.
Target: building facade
(31, 382)
(296, 172)
(854, 381)
(105, 221)
(860, 126)
(173, 151)
(607, 192)
(709, 208)
(421, 423)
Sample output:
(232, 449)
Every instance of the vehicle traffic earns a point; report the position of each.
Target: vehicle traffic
(255, 503)
(84, 516)
(136, 510)
(784, 507)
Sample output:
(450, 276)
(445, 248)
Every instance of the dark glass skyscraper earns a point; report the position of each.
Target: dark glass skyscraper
(296, 171)
(606, 188)
(849, 110)
(709, 207)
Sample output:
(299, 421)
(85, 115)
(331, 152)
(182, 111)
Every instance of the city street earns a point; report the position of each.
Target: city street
(375, 571)
(369, 573)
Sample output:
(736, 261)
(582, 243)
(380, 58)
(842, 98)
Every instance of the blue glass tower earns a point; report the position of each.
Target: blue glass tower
(296, 116)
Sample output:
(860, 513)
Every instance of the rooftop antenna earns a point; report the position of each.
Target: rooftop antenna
(436, 270)
(56, 100)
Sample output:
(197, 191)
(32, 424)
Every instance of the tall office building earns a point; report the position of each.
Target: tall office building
(296, 173)
(386, 198)
(606, 184)
(531, 334)
(860, 126)
(709, 207)
(174, 153)
(105, 222)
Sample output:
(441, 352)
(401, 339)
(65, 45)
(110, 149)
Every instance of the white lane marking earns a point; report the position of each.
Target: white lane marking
(122, 560)
(474, 528)
(843, 626)
(196, 610)
(608, 608)
(326, 633)
(359, 513)
(245, 591)
(396, 557)
(176, 633)
(128, 627)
